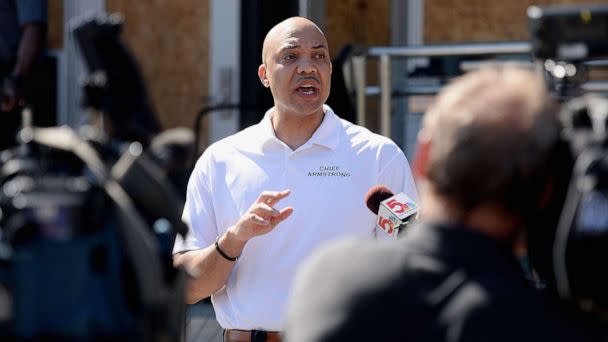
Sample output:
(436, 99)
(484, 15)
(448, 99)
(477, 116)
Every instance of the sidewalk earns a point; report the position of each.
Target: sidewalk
(201, 325)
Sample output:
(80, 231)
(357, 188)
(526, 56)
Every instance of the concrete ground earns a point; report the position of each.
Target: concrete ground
(201, 325)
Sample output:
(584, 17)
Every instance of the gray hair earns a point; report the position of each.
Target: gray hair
(492, 132)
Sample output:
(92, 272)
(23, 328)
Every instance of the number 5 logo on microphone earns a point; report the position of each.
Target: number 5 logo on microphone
(397, 207)
(386, 224)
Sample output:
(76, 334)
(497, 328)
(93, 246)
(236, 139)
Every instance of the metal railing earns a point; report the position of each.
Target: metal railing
(198, 121)
(385, 54)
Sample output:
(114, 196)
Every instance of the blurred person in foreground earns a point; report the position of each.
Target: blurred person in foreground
(483, 172)
(261, 200)
(22, 40)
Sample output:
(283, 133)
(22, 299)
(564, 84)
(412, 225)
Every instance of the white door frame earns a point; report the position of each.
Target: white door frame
(224, 65)
(313, 10)
(71, 69)
(407, 28)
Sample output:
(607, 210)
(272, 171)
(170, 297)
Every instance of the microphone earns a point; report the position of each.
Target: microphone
(394, 212)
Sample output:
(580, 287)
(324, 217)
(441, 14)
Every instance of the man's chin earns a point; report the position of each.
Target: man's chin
(312, 110)
(305, 109)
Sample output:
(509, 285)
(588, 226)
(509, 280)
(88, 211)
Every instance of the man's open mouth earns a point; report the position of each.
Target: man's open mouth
(307, 90)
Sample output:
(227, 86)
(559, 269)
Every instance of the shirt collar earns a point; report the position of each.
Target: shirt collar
(327, 134)
(266, 131)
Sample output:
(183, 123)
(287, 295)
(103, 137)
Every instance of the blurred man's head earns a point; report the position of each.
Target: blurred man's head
(296, 66)
(486, 140)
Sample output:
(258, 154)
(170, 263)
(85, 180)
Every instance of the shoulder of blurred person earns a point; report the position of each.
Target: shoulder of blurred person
(419, 289)
(22, 40)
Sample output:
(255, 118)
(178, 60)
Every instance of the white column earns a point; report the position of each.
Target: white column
(313, 10)
(415, 22)
(71, 67)
(406, 29)
(224, 65)
(415, 36)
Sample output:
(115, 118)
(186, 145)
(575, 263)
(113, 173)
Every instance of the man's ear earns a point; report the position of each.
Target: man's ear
(262, 75)
(421, 158)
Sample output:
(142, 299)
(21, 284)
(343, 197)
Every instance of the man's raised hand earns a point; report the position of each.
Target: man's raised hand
(262, 217)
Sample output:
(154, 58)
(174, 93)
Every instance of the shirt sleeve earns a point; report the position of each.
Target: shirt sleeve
(29, 11)
(397, 175)
(198, 214)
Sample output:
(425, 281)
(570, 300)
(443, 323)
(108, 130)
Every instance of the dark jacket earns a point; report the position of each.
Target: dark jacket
(438, 283)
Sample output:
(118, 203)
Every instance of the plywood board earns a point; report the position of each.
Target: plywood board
(170, 39)
(453, 21)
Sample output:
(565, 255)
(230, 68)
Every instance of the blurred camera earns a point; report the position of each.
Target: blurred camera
(568, 247)
(88, 217)
(565, 39)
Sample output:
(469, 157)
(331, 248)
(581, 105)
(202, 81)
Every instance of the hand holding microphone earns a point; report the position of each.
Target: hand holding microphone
(394, 212)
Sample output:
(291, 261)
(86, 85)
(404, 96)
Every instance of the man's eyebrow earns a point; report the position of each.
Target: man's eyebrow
(296, 46)
(289, 47)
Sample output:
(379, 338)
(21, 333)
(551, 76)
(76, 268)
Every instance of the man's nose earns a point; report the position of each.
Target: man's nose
(306, 66)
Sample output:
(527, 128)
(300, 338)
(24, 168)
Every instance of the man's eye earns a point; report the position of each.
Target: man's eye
(320, 56)
(289, 57)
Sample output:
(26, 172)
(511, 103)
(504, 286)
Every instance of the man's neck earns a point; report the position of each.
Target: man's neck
(488, 219)
(295, 130)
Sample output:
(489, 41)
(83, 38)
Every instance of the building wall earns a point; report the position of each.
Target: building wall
(170, 40)
(363, 22)
(55, 24)
(450, 21)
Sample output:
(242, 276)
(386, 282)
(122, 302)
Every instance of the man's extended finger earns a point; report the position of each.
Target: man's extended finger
(259, 219)
(266, 210)
(283, 214)
(272, 197)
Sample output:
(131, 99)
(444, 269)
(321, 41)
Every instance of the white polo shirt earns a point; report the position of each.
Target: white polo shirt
(328, 175)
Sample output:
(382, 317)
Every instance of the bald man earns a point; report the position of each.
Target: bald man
(261, 200)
